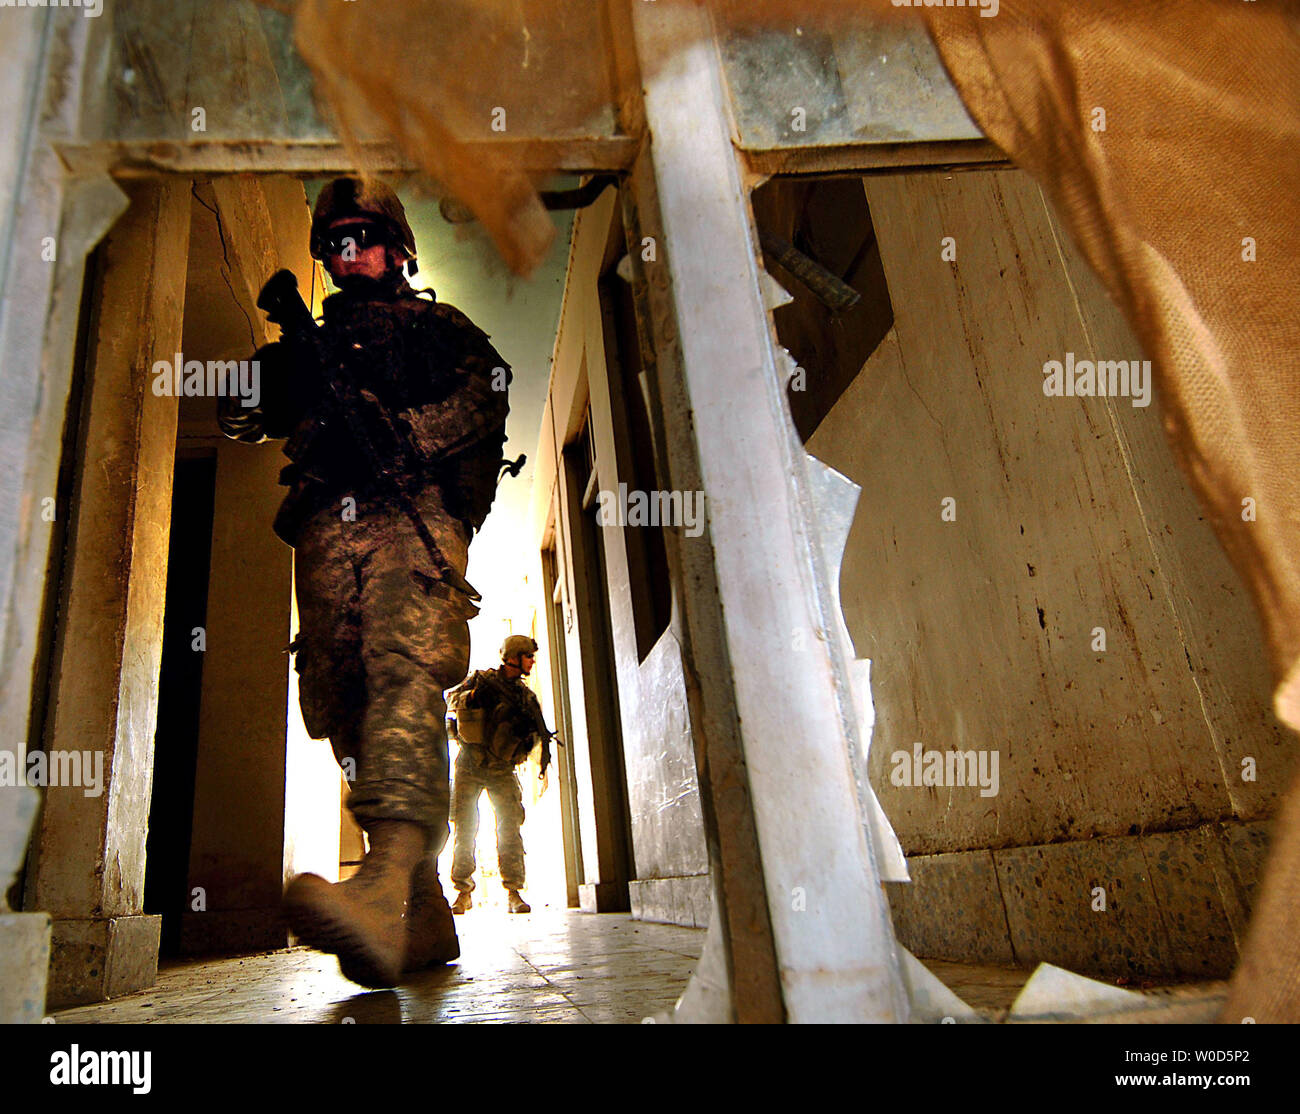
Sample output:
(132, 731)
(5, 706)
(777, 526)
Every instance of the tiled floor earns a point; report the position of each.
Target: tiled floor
(547, 967)
(543, 967)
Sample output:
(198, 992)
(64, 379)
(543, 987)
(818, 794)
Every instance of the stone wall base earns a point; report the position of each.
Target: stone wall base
(1163, 904)
(602, 897)
(92, 960)
(686, 901)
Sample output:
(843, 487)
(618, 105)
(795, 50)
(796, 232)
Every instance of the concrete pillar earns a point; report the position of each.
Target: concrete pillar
(800, 929)
(90, 843)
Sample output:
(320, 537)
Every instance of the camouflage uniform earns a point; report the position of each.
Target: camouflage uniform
(381, 634)
(480, 768)
(502, 786)
(376, 650)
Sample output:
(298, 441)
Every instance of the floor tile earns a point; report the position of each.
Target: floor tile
(511, 970)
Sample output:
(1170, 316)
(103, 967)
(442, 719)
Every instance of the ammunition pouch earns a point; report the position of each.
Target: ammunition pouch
(471, 725)
(468, 480)
(487, 721)
(327, 695)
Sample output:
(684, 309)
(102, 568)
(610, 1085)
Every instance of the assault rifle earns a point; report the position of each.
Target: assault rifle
(393, 464)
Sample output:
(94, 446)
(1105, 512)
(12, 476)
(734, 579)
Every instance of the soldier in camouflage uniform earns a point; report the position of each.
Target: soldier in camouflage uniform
(379, 562)
(509, 723)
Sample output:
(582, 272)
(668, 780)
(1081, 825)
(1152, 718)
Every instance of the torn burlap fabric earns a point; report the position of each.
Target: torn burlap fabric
(1185, 205)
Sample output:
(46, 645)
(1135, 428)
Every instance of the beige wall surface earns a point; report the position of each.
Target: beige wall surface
(1127, 770)
(89, 854)
(1070, 515)
(266, 799)
(658, 755)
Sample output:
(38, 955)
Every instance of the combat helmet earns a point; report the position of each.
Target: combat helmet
(361, 197)
(517, 644)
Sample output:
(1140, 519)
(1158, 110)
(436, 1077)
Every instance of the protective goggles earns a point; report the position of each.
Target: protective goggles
(349, 239)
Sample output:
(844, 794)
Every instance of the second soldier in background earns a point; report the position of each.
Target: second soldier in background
(497, 721)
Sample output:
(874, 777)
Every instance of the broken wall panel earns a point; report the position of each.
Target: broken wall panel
(827, 221)
(1073, 614)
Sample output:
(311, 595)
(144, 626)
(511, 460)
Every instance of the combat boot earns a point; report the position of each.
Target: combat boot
(363, 920)
(430, 929)
(463, 902)
(517, 903)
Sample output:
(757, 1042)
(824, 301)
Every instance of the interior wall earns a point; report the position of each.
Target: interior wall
(180, 682)
(241, 788)
(1123, 837)
(671, 860)
(266, 798)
